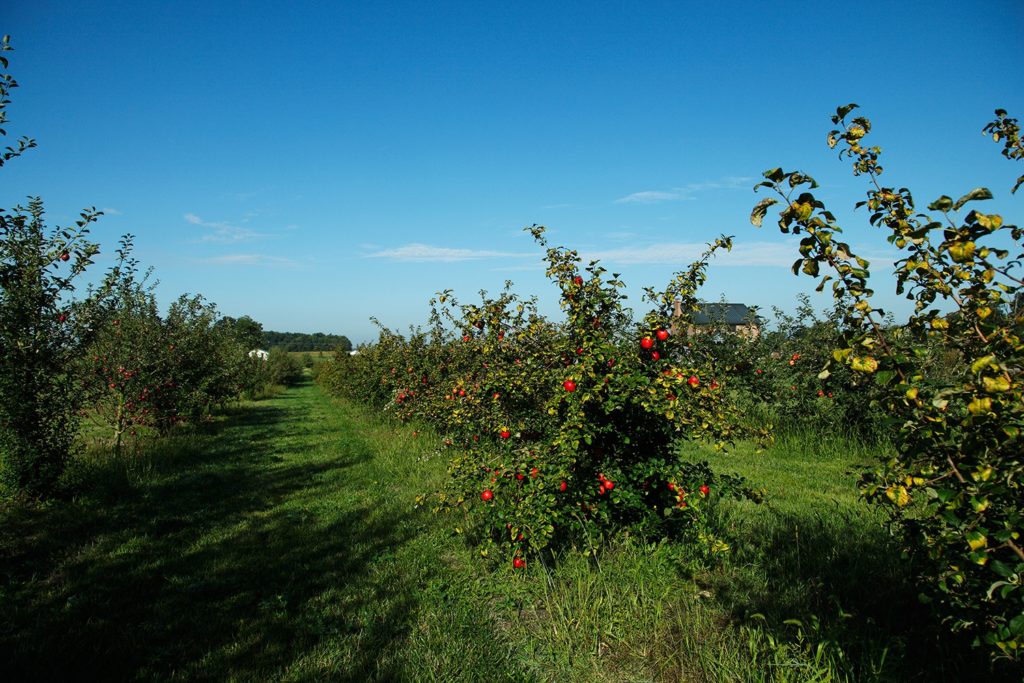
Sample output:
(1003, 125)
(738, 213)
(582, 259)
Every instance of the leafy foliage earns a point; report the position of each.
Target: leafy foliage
(41, 333)
(302, 341)
(152, 371)
(561, 433)
(949, 377)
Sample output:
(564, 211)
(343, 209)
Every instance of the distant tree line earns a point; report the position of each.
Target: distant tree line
(301, 341)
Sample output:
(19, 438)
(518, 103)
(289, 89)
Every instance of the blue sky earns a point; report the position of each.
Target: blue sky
(313, 164)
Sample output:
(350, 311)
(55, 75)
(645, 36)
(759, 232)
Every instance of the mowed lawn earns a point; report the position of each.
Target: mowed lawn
(283, 542)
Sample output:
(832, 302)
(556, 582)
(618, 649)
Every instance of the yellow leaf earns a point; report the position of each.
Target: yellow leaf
(912, 393)
(898, 495)
(980, 406)
(841, 354)
(982, 363)
(939, 324)
(995, 385)
(961, 251)
(864, 364)
(976, 540)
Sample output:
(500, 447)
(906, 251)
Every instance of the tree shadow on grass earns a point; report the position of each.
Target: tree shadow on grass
(844, 579)
(225, 565)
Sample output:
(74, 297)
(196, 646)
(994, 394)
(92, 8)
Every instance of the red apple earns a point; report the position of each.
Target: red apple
(518, 563)
(646, 343)
(505, 433)
(609, 484)
(693, 381)
(569, 385)
(704, 489)
(65, 256)
(563, 486)
(487, 495)
(578, 280)
(655, 355)
(662, 335)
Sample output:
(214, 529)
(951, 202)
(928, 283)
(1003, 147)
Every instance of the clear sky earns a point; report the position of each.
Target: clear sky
(312, 164)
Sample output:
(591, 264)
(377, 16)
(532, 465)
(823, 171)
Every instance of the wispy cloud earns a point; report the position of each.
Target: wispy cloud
(686, 192)
(427, 253)
(743, 254)
(650, 197)
(261, 260)
(222, 231)
(110, 211)
(683, 253)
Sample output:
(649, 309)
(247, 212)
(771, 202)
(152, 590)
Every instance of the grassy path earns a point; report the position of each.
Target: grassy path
(282, 546)
(282, 543)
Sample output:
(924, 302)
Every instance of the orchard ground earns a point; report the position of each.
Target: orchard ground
(282, 542)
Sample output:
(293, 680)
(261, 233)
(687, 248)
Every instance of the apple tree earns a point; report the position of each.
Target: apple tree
(42, 329)
(949, 376)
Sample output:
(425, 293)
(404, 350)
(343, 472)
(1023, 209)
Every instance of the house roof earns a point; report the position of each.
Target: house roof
(729, 314)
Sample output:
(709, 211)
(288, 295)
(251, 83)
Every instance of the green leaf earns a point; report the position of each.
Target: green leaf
(977, 193)
(1002, 569)
(841, 112)
(760, 211)
(943, 203)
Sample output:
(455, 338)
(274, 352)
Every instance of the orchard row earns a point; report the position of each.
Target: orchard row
(559, 433)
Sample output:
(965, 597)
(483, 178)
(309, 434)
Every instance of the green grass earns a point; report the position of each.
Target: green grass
(282, 543)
